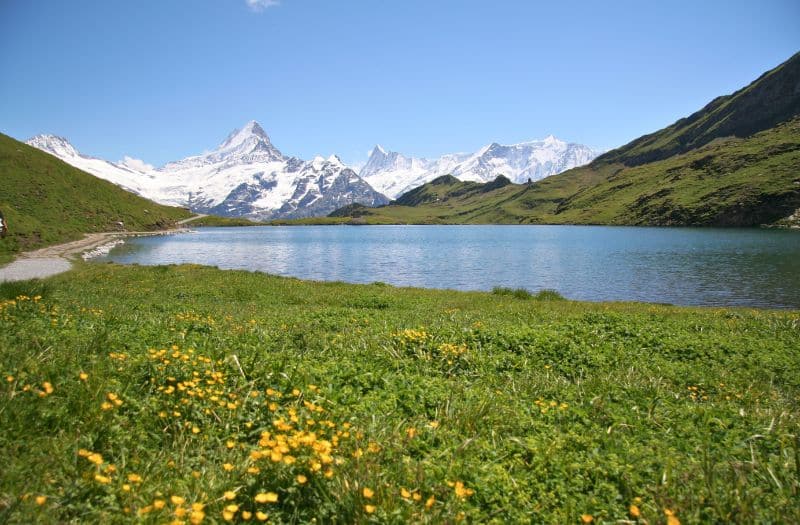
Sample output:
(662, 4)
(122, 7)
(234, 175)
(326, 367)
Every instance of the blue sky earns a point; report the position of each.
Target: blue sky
(160, 80)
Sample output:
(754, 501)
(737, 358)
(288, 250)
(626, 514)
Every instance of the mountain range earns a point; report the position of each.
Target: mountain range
(394, 174)
(734, 162)
(247, 176)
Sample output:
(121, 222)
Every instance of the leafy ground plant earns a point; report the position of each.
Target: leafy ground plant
(195, 395)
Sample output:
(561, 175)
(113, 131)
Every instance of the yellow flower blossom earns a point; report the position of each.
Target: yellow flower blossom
(262, 516)
(462, 491)
(41, 500)
(301, 479)
(368, 493)
(369, 509)
(177, 500)
(266, 497)
(587, 518)
(229, 495)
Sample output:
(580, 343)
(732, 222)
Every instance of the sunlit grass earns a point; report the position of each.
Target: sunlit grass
(203, 396)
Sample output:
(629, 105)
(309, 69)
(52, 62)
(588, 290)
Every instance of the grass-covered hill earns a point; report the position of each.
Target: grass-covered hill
(736, 162)
(151, 394)
(47, 201)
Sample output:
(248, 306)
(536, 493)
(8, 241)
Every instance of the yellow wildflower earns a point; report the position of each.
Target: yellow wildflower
(262, 516)
(369, 509)
(246, 515)
(462, 491)
(430, 502)
(368, 493)
(301, 479)
(134, 478)
(102, 479)
(587, 518)
(634, 511)
(177, 500)
(227, 466)
(158, 504)
(229, 495)
(266, 497)
(83, 376)
(41, 500)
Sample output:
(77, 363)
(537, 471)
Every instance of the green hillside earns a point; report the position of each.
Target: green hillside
(736, 162)
(47, 201)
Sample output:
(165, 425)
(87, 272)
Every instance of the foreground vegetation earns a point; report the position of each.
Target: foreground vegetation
(46, 201)
(199, 395)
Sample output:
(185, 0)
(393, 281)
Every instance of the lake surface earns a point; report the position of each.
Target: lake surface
(688, 266)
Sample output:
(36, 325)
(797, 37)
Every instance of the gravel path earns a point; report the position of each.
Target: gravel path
(52, 260)
(39, 268)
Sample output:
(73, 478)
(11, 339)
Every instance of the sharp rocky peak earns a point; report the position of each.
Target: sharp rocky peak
(237, 137)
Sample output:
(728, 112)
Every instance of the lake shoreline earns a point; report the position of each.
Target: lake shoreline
(686, 266)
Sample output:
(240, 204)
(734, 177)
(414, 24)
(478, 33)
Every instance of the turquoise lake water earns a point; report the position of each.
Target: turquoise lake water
(688, 266)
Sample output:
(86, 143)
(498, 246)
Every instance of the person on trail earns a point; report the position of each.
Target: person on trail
(3, 225)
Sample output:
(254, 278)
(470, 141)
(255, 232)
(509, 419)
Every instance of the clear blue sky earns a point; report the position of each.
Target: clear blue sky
(160, 80)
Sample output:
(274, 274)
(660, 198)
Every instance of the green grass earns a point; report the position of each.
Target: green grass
(47, 201)
(544, 410)
(223, 222)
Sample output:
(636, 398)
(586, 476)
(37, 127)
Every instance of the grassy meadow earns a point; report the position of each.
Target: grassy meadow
(195, 395)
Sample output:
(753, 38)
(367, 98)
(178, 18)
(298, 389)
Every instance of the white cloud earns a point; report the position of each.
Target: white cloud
(260, 5)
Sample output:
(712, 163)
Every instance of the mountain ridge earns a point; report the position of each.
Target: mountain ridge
(708, 176)
(394, 174)
(244, 176)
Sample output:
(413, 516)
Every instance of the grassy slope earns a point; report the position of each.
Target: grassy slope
(223, 222)
(546, 410)
(47, 201)
(765, 103)
(731, 181)
(694, 172)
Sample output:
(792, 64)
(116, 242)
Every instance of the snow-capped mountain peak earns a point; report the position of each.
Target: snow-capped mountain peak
(53, 144)
(248, 132)
(244, 176)
(394, 174)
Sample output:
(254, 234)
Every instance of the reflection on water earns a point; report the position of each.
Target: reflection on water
(669, 265)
